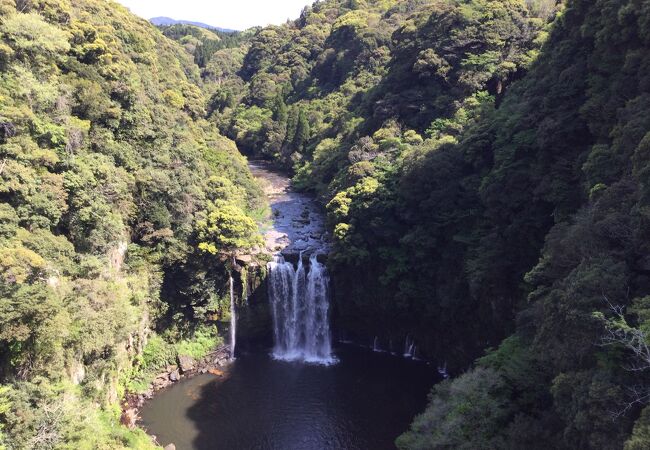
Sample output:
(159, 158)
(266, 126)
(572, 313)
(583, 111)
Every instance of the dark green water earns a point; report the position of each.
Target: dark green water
(364, 402)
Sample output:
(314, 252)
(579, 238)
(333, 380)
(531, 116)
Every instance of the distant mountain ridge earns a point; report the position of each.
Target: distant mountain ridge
(165, 21)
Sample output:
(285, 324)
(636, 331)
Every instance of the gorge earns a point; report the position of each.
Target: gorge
(286, 237)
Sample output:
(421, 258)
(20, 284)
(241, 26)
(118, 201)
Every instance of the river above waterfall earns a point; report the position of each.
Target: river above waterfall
(362, 403)
(297, 222)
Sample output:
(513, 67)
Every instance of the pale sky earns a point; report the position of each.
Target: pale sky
(234, 14)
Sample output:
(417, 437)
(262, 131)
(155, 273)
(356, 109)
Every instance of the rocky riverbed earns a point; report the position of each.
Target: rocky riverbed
(297, 222)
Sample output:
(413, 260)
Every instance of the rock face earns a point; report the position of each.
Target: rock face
(186, 363)
(244, 259)
(77, 372)
(254, 325)
(161, 381)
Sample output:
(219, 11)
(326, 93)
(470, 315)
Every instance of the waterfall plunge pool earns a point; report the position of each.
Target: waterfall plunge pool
(363, 402)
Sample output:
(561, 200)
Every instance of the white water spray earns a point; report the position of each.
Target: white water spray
(300, 306)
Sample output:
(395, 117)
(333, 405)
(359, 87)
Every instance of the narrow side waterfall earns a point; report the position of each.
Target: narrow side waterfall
(233, 319)
(300, 306)
(409, 347)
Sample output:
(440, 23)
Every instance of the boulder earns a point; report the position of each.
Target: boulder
(162, 377)
(174, 375)
(161, 381)
(186, 363)
(169, 447)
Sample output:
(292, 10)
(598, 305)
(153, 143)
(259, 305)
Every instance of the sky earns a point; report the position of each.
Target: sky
(234, 14)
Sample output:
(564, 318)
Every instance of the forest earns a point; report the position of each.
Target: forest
(484, 166)
(105, 151)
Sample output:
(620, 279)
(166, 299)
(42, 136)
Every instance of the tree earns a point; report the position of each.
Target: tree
(302, 132)
(224, 228)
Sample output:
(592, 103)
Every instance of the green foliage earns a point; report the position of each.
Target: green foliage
(160, 353)
(157, 353)
(641, 434)
(45, 415)
(202, 342)
(224, 228)
(463, 415)
(484, 165)
(201, 43)
(31, 37)
(556, 150)
(106, 162)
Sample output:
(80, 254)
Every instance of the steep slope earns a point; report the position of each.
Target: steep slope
(104, 154)
(202, 43)
(568, 148)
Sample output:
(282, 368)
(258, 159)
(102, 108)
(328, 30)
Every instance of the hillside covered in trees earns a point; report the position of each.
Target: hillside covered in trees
(356, 98)
(104, 151)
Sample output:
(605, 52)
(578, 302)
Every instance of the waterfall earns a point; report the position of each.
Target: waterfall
(233, 319)
(442, 370)
(375, 345)
(409, 347)
(300, 307)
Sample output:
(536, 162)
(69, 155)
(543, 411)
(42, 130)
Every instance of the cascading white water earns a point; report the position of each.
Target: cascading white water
(409, 347)
(300, 307)
(442, 370)
(233, 319)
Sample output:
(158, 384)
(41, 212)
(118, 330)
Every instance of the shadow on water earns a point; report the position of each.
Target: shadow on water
(363, 402)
